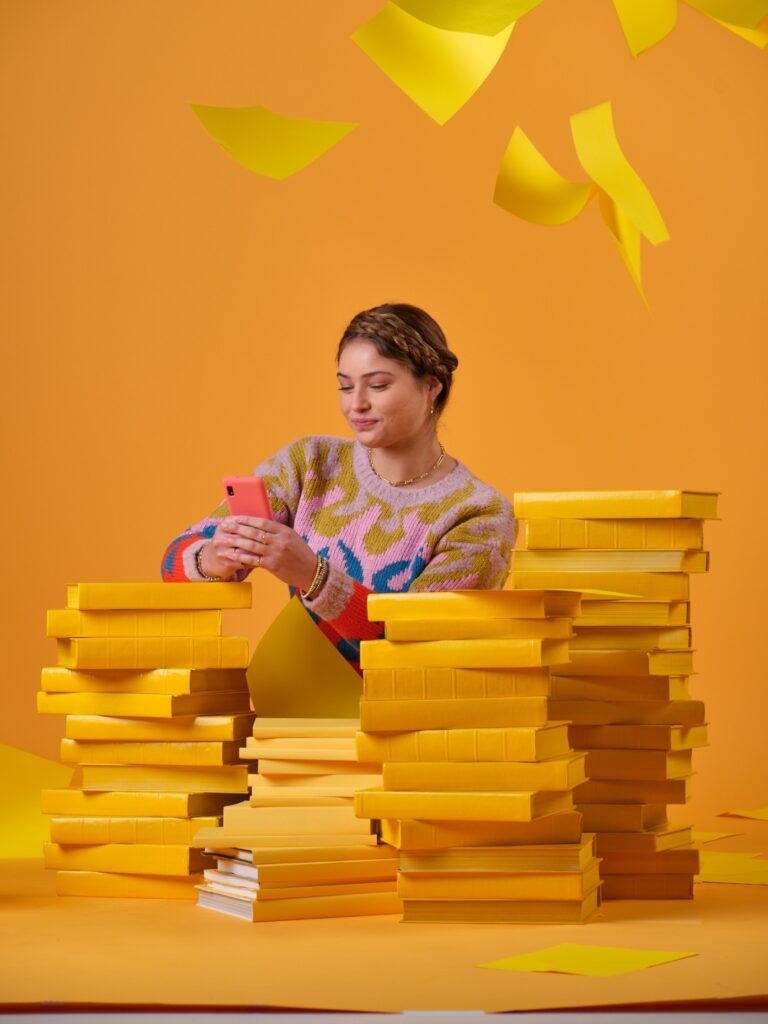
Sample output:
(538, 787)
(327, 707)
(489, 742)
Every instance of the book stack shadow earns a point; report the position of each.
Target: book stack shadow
(157, 704)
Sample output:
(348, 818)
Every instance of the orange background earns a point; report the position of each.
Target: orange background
(170, 317)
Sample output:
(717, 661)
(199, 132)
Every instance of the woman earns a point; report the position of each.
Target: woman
(389, 511)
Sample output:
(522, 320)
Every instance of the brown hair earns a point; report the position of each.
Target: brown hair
(409, 335)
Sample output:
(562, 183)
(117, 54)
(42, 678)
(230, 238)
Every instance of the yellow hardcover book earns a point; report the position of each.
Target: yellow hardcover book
(278, 876)
(653, 840)
(628, 663)
(153, 652)
(309, 846)
(70, 622)
(633, 613)
(479, 629)
(149, 705)
(228, 778)
(471, 713)
(471, 604)
(633, 791)
(145, 887)
(305, 750)
(75, 802)
(486, 776)
(334, 745)
(638, 764)
(147, 596)
(221, 882)
(279, 728)
(522, 806)
(632, 534)
(531, 857)
(199, 728)
(410, 834)
(162, 831)
(647, 887)
(134, 859)
(574, 560)
(200, 752)
(297, 798)
(639, 737)
(329, 785)
(680, 861)
(361, 904)
(648, 504)
(622, 818)
(630, 638)
(635, 712)
(454, 683)
(463, 653)
(288, 767)
(526, 743)
(327, 858)
(648, 586)
(494, 885)
(620, 688)
(171, 681)
(501, 911)
(242, 818)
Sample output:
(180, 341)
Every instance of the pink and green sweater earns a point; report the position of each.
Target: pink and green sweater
(456, 534)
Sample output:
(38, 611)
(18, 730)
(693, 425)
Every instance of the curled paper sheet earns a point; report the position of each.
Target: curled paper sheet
(758, 35)
(23, 828)
(594, 961)
(530, 188)
(647, 22)
(269, 143)
(439, 70)
(483, 17)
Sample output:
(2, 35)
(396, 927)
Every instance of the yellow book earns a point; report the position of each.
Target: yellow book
(620, 818)
(134, 859)
(266, 728)
(146, 596)
(485, 776)
(648, 887)
(289, 767)
(70, 622)
(653, 840)
(202, 727)
(145, 887)
(328, 785)
(217, 839)
(634, 534)
(76, 803)
(649, 504)
(628, 663)
(319, 748)
(679, 861)
(526, 743)
(575, 560)
(278, 876)
(200, 752)
(230, 778)
(638, 764)
(471, 713)
(219, 881)
(633, 791)
(149, 705)
(635, 712)
(153, 652)
(162, 831)
(531, 857)
(639, 737)
(633, 613)
(496, 885)
(463, 653)
(479, 629)
(325, 858)
(620, 688)
(361, 904)
(454, 683)
(648, 586)
(297, 798)
(409, 834)
(631, 638)
(171, 681)
(523, 806)
(242, 818)
(501, 911)
(471, 604)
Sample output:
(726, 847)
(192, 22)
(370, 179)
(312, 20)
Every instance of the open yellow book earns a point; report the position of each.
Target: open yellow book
(146, 596)
(650, 504)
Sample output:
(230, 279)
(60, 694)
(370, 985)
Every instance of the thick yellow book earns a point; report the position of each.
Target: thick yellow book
(471, 604)
(147, 596)
(318, 748)
(145, 887)
(633, 534)
(361, 904)
(199, 728)
(454, 683)
(219, 881)
(163, 831)
(683, 860)
(415, 834)
(486, 776)
(217, 839)
(471, 713)
(633, 613)
(136, 859)
(75, 802)
(647, 586)
(297, 798)
(620, 818)
(278, 876)
(653, 840)
(648, 887)
(200, 752)
(153, 652)
(245, 819)
(649, 504)
(526, 743)
(501, 911)
(531, 857)
(143, 705)
(638, 764)
(328, 785)
(70, 622)
(633, 791)
(630, 638)
(479, 629)
(229, 778)
(278, 728)
(169, 681)
(575, 560)
(628, 663)
(497, 885)
(636, 712)
(620, 688)
(522, 806)
(639, 737)
(283, 857)
(289, 767)
(463, 654)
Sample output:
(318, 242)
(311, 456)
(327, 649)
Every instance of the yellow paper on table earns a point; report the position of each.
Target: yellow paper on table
(742, 878)
(595, 961)
(717, 866)
(711, 837)
(647, 22)
(268, 143)
(23, 829)
(482, 17)
(439, 70)
(760, 814)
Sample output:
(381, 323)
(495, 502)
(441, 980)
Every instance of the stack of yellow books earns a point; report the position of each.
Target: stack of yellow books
(157, 705)
(626, 689)
(477, 788)
(295, 848)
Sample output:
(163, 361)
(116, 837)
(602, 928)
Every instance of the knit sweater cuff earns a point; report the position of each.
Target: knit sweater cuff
(334, 596)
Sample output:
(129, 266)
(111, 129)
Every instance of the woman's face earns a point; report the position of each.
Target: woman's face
(381, 399)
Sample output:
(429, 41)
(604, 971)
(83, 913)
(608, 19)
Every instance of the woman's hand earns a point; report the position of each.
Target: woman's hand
(248, 542)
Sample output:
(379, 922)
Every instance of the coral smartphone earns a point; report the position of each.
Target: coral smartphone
(247, 496)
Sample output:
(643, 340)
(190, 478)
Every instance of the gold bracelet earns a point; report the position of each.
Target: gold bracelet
(321, 574)
(199, 567)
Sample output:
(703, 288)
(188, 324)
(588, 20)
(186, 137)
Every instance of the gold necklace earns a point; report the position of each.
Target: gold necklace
(413, 479)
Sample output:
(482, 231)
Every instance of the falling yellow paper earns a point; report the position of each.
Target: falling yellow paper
(23, 829)
(711, 837)
(761, 814)
(645, 22)
(758, 35)
(483, 17)
(595, 961)
(439, 70)
(744, 13)
(269, 143)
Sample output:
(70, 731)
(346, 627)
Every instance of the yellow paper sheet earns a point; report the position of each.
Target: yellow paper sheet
(269, 143)
(440, 71)
(760, 814)
(742, 878)
(758, 35)
(23, 829)
(718, 866)
(711, 837)
(645, 22)
(743, 13)
(483, 17)
(595, 961)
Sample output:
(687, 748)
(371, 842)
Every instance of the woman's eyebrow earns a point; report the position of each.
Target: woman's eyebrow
(372, 373)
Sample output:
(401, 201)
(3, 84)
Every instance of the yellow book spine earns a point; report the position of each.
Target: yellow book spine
(150, 705)
(524, 885)
(632, 534)
(173, 682)
(460, 806)
(102, 883)
(218, 839)
(639, 638)
(76, 803)
(289, 767)
(365, 904)
(300, 728)
(140, 859)
(71, 622)
(628, 663)
(470, 604)
(257, 749)
(162, 831)
(648, 504)
(147, 596)
(162, 779)
(483, 712)
(486, 776)
(198, 729)
(526, 743)
(463, 654)
(330, 785)
(648, 586)
(646, 791)
(479, 629)
(641, 561)
(329, 872)
(623, 689)
(630, 740)
(633, 613)
(638, 764)
(454, 683)
(638, 712)
(221, 883)
(197, 753)
(413, 834)
(531, 857)
(153, 652)
(244, 818)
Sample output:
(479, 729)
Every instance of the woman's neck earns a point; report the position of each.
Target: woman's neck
(420, 463)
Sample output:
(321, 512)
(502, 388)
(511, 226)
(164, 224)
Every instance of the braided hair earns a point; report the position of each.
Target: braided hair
(410, 336)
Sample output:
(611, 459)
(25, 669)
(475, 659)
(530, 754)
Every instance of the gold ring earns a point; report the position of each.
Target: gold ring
(258, 561)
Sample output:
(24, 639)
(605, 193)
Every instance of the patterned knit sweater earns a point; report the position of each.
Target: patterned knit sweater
(455, 534)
